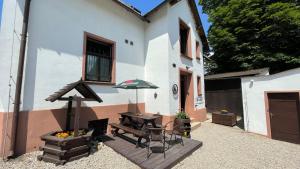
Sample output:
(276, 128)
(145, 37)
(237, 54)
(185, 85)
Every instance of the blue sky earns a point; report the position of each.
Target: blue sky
(147, 5)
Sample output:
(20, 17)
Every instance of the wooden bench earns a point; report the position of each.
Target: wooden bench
(137, 133)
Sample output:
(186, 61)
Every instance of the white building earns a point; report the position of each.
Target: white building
(70, 39)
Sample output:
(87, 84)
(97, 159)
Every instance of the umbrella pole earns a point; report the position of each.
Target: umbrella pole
(136, 102)
(77, 115)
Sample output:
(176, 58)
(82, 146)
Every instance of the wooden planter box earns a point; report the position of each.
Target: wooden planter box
(60, 151)
(227, 119)
(182, 126)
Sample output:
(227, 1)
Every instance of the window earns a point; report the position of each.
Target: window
(198, 50)
(99, 59)
(199, 86)
(185, 40)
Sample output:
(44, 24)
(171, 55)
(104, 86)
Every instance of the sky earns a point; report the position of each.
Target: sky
(147, 5)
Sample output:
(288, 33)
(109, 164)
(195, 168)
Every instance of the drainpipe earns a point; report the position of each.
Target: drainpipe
(19, 81)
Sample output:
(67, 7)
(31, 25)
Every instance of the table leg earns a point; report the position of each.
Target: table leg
(153, 123)
(123, 119)
(139, 142)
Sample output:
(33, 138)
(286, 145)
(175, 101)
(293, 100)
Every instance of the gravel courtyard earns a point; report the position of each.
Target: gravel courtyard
(223, 147)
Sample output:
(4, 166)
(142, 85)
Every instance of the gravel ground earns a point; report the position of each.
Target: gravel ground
(104, 158)
(226, 147)
(223, 147)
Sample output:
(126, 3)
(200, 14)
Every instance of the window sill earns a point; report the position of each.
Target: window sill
(187, 57)
(101, 83)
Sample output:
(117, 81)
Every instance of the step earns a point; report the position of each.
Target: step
(195, 125)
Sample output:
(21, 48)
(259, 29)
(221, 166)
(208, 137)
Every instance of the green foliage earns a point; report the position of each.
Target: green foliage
(182, 115)
(250, 34)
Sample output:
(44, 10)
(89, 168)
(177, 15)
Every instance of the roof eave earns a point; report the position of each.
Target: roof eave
(129, 9)
(230, 75)
(199, 26)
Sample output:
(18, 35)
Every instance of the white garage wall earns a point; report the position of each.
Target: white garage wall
(254, 88)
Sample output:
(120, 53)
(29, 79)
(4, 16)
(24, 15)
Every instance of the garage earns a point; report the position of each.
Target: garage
(271, 105)
(224, 92)
(284, 116)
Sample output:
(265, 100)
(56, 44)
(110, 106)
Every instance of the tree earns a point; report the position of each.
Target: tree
(250, 34)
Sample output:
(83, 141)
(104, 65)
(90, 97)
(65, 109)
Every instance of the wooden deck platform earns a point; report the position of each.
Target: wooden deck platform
(125, 145)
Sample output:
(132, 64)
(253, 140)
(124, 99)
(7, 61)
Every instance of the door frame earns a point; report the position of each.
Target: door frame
(190, 107)
(268, 120)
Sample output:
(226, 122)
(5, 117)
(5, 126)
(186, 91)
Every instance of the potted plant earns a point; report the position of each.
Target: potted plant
(182, 117)
(183, 123)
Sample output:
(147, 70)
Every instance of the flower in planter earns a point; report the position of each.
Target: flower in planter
(66, 134)
(62, 135)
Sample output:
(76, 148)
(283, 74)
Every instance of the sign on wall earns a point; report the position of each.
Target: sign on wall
(199, 101)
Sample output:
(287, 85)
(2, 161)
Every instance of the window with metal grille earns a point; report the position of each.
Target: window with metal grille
(99, 61)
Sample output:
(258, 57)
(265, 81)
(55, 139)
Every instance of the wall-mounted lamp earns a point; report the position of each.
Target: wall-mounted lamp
(251, 83)
(155, 95)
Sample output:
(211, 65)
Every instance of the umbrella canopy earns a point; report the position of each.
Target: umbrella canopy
(136, 84)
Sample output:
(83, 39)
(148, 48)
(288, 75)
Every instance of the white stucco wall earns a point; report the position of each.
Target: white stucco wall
(182, 10)
(156, 62)
(11, 28)
(162, 50)
(55, 49)
(253, 90)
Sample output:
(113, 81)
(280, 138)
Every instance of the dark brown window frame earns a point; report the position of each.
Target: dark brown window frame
(188, 53)
(199, 86)
(113, 66)
(198, 50)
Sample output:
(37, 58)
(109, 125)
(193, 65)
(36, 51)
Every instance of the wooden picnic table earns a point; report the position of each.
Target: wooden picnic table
(143, 118)
(138, 124)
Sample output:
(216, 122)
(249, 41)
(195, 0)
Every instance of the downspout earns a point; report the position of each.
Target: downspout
(19, 81)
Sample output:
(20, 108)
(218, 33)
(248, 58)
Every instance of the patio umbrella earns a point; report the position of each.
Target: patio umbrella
(136, 84)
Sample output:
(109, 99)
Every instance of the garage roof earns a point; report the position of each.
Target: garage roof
(230, 75)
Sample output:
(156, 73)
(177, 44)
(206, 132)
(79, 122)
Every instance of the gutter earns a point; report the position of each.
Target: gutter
(19, 81)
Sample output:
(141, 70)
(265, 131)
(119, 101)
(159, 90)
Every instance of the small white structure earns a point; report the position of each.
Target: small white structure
(164, 47)
(256, 101)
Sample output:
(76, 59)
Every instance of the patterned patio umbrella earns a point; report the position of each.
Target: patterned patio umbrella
(136, 84)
